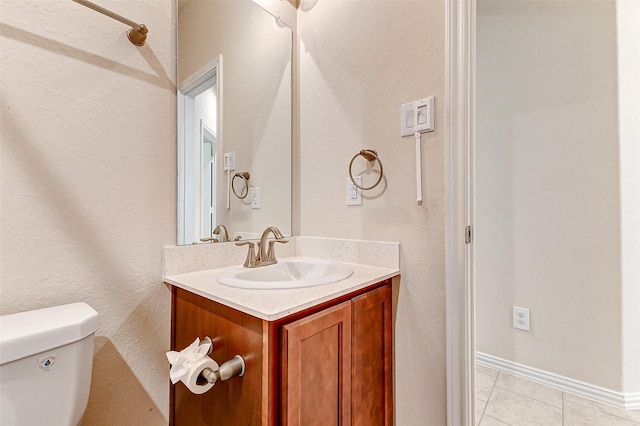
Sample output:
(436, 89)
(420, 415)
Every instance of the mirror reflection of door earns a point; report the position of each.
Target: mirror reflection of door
(209, 148)
(198, 141)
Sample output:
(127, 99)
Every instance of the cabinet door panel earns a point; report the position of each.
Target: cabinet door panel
(316, 364)
(372, 363)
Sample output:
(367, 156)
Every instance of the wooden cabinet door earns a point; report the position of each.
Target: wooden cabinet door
(316, 369)
(372, 359)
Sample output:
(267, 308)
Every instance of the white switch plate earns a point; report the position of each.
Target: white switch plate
(417, 116)
(354, 194)
(423, 115)
(255, 198)
(407, 115)
(521, 319)
(230, 161)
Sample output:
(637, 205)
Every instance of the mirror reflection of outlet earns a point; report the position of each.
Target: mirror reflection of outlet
(255, 198)
(354, 194)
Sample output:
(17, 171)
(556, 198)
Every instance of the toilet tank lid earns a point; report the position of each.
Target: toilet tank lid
(27, 333)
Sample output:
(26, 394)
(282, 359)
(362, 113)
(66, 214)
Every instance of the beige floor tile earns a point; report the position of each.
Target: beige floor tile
(633, 415)
(484, 385)
(582, 415)
(528, 388)
(486, 370)
(480, 406)
(519, 410)
(490, 421)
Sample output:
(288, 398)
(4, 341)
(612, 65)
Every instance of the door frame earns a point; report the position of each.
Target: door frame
(187, 90)
(459, 208)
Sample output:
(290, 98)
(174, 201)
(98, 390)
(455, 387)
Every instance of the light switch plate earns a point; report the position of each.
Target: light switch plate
(423, 115)
(230, 161)
(417, 116)
(407, 115)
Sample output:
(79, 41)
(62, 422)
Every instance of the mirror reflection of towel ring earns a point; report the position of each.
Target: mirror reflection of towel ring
(370, 155)
(245, 178)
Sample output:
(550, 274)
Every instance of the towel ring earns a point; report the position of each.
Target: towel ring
(370, 155)
(245, 178)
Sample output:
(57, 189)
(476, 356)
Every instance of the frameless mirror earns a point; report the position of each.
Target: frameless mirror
(234, 121)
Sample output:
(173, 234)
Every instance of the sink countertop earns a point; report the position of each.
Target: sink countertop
(274, 304)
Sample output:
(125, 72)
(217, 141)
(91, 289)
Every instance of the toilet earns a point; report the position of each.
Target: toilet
(46, 357)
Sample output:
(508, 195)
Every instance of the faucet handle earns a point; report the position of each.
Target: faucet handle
(271, 254)
(207, 240)
(250, 261)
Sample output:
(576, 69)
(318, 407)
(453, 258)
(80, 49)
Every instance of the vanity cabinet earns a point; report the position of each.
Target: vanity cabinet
(330, 364)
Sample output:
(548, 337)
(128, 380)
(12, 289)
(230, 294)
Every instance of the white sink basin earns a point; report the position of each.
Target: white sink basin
(296, 272)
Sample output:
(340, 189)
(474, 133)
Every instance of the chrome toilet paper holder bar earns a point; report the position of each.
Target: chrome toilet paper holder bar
(235, 367)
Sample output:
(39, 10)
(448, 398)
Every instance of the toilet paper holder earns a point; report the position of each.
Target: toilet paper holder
(235, 367)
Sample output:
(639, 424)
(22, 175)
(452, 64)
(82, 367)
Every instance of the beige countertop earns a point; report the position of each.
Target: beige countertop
(274, 304)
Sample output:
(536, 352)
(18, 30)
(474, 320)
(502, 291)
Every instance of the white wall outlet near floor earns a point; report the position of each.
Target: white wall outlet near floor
(354, 194)
(521, 319)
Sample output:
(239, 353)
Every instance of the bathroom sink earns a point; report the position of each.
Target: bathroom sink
(296, 272)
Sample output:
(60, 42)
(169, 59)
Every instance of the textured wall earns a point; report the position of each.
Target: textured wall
(359, 61)
(88, 185)
(547, 187)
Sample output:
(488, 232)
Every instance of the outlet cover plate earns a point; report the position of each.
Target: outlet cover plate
(255, 198)
(521, 319)
(354, 194)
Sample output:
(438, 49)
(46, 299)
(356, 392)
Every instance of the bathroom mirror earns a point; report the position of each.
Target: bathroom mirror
(234, 116)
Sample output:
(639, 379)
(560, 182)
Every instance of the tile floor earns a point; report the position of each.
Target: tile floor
(506, 400)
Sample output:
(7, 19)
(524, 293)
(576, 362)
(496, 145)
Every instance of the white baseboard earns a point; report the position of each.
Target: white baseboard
(628, 400)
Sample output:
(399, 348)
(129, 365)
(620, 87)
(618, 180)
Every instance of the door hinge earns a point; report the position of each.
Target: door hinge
(467, 234)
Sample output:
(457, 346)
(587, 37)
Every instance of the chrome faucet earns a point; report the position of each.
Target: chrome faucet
(222, 231)
(265, 256)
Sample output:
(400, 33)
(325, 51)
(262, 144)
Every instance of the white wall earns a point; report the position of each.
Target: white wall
(359, 61)
(88, 185)
(549, 189)
(628, 34)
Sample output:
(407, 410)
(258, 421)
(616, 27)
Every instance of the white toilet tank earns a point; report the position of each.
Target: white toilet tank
(46, 357)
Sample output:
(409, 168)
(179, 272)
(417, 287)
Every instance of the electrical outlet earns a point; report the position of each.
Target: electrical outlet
(521, 319)
(255, 198)
(354, 194)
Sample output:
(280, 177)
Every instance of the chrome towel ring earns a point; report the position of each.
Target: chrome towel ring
(245, 178)
(369, 155)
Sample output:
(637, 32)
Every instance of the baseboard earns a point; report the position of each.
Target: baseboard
(628, 400)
